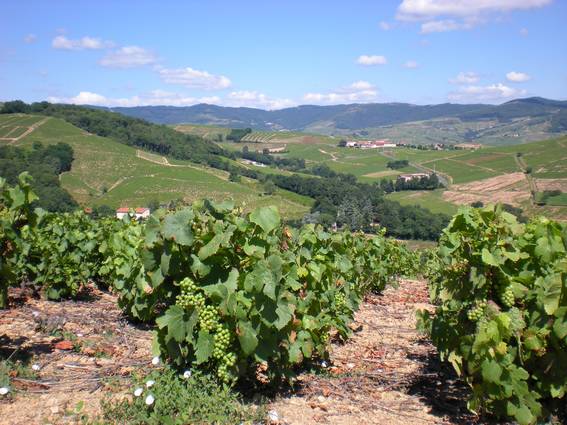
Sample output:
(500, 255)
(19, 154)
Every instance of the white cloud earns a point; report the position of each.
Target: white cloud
(254, 99)
(155, 97)
(128, 57)
(444, 25)
(524, 32)
(517, 77)
(385, 26)
(465, 78)
(367, 60)
(359, 91)
(429, 9)
(90, 43)
(193, 78)
(411, 64)
(30, 38)
(451, 15)
(491, 93)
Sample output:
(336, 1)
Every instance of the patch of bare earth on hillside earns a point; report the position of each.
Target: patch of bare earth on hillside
(83, 348)
(386, 373)
(511, 189)
(551, 184)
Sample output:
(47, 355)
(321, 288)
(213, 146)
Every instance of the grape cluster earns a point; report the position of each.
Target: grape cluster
(477, 312)
(228, 361)
(222, 341)
(341, 302)
(506, 296)
(189, 297)
(208, 318)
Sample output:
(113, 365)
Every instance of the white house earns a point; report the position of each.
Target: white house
(139, 213)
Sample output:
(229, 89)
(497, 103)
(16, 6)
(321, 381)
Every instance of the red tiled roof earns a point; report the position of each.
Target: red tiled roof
(123, 210)
(141, 210)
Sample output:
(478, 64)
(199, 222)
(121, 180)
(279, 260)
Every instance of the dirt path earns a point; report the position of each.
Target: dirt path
(331, 154)
(386, 374)
(82, 347)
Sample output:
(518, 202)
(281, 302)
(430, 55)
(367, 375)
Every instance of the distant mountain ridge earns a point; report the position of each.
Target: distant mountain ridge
(343, 117)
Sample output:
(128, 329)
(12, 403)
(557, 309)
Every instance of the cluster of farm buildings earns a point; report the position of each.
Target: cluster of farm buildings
(370, 144)
(376, 144)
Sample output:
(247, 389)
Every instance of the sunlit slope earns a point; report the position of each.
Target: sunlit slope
(107, 172)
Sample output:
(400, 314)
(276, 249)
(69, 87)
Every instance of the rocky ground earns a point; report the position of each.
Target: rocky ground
(385, 374)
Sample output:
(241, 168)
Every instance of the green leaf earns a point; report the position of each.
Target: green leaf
(174, 321)
(247, 337)
(488, 258)
(268, 218)
(491, 371)
(524, 416)
(177, 227)
(205, 345)
(284, 315)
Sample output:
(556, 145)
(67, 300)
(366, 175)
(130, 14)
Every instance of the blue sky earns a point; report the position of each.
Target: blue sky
(270, 54)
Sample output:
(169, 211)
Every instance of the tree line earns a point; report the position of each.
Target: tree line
(44, 164)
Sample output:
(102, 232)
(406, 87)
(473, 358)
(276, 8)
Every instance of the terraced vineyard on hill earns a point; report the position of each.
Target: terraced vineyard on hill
(105, 172)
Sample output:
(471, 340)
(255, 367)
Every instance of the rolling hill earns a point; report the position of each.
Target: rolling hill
(105, 172)
(513, 122)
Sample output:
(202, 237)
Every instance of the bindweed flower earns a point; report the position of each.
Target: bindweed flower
(36, 367)
(150, 383)
(138, 391)
(323, 364)
(187, 374)
(150, 400)
(273, 416)
(4, 390)
(155, 361)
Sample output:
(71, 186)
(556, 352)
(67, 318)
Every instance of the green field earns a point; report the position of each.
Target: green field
(430, 199)
(107, 172)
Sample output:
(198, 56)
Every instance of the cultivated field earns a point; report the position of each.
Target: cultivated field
(13, 127)
(107, 172)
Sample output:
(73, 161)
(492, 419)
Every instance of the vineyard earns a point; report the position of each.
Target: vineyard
(240, 300)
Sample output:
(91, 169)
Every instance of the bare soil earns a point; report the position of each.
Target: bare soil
(387, 373)
(510, 188)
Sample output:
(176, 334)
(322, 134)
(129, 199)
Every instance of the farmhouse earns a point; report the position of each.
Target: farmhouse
(471, 146)
(408, 177)
(277, 150)
(139, 213)
(370, 144)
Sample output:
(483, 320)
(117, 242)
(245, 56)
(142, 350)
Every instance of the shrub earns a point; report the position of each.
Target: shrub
(501, 316)
(62, 253)
(16, 217)
(235, 294)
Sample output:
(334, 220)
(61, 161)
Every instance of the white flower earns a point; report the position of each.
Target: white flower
(155, 361)
(4, 390)
(80, 335)
(187, 374)
(150, 383)
(150, 400)
(273, 415)
(36, 367)
(138, 391)
(323, 363)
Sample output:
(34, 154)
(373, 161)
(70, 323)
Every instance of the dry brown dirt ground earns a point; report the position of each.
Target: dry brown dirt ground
(511, 189)
(386, 373)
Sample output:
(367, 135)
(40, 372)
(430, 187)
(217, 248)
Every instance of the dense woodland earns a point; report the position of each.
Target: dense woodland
(44, 164)
(338, 197)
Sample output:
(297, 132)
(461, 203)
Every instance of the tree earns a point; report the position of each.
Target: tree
(342, 143)
(269, 187)
(234, 176)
